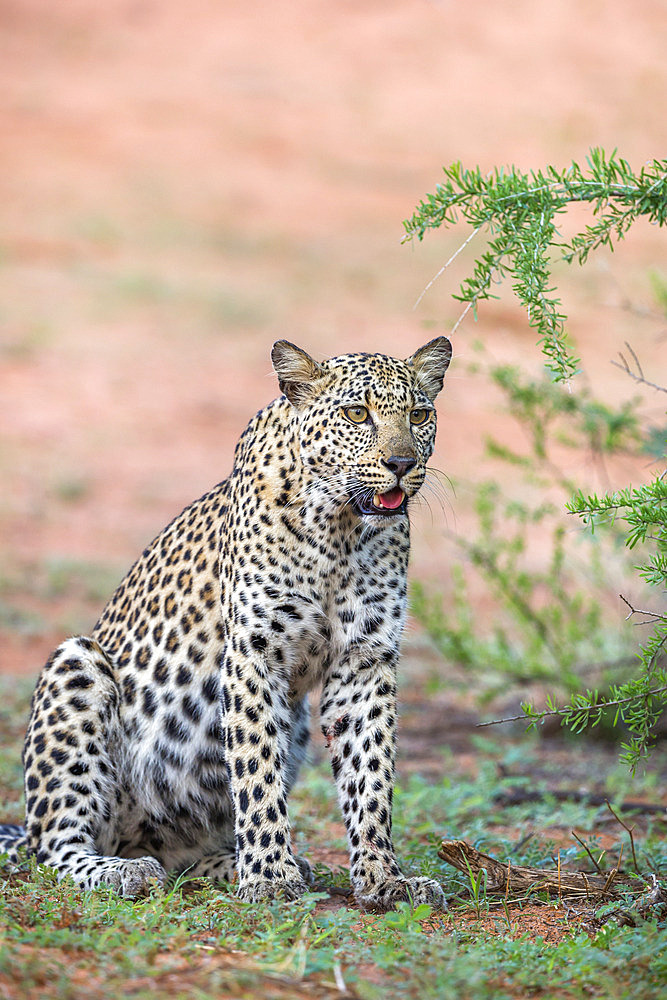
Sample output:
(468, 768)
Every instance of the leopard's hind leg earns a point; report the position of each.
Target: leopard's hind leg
(71, 764)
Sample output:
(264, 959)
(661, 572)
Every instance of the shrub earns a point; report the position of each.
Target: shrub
(519, 212)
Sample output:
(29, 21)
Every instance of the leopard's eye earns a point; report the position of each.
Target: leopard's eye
(357, 414)
(419, 416)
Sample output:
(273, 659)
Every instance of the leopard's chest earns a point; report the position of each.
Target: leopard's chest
(360, 613)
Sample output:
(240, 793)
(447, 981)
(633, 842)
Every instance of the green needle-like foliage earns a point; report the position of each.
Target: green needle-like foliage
(519, 210)
(640, 702)
(519, 213)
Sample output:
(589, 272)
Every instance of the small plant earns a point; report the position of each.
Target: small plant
(477, 889)
(407, 917)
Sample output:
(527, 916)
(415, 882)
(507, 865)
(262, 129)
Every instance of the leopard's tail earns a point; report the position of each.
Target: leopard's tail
(12, 839)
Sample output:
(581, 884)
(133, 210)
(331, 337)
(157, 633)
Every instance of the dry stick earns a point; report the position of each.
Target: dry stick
(634, 358)
(522, 880)
(524, 840)
(445, 266)
(580, 841)
(625, 367)
(629, 831)
(505, 902)
(652, 615)
(612, 875)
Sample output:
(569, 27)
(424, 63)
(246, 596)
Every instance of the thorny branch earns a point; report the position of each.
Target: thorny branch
(565, 711)
(653, 616)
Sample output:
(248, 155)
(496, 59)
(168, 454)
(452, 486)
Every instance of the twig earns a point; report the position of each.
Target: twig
(629, 832)
(580, 841)
(612, 875)
(566, 711)
(634, 358)
(588, 898)
(522, 843)
(652, 615)
(461, 318)
(445, 266)
(639, 375)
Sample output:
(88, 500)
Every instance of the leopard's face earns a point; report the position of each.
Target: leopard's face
(367, 427)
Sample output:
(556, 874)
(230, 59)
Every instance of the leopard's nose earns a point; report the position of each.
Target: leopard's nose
(399, 464)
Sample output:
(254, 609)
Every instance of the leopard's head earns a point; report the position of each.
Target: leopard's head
(366, 422)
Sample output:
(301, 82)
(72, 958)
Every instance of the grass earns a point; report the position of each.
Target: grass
(195, 940)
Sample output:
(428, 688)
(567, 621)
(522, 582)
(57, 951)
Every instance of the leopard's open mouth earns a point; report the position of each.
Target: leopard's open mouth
(387, 504)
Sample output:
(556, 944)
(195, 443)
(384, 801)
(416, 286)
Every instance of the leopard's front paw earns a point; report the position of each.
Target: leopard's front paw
(256, 890)
(286, 882)
(386, 894)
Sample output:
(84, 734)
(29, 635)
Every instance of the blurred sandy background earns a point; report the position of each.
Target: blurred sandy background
(182, 184)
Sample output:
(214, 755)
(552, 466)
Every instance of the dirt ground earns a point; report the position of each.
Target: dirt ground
(182, 184)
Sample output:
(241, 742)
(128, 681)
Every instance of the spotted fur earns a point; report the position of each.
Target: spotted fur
(169, 739)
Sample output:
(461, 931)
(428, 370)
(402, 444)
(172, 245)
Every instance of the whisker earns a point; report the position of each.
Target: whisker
(444, 503)
(436, 489)
(420, 500)
(431, 469)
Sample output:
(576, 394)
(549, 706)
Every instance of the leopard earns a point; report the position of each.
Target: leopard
(167, 740)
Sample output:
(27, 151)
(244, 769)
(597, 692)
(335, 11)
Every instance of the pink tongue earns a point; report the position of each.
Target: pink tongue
(392, 499)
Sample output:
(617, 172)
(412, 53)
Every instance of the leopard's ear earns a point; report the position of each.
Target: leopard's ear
(298, 373)
(430, 363)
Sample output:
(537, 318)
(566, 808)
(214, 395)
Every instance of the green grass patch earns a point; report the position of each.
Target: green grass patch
(196, 940)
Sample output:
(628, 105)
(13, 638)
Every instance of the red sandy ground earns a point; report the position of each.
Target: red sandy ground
(181, 184)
